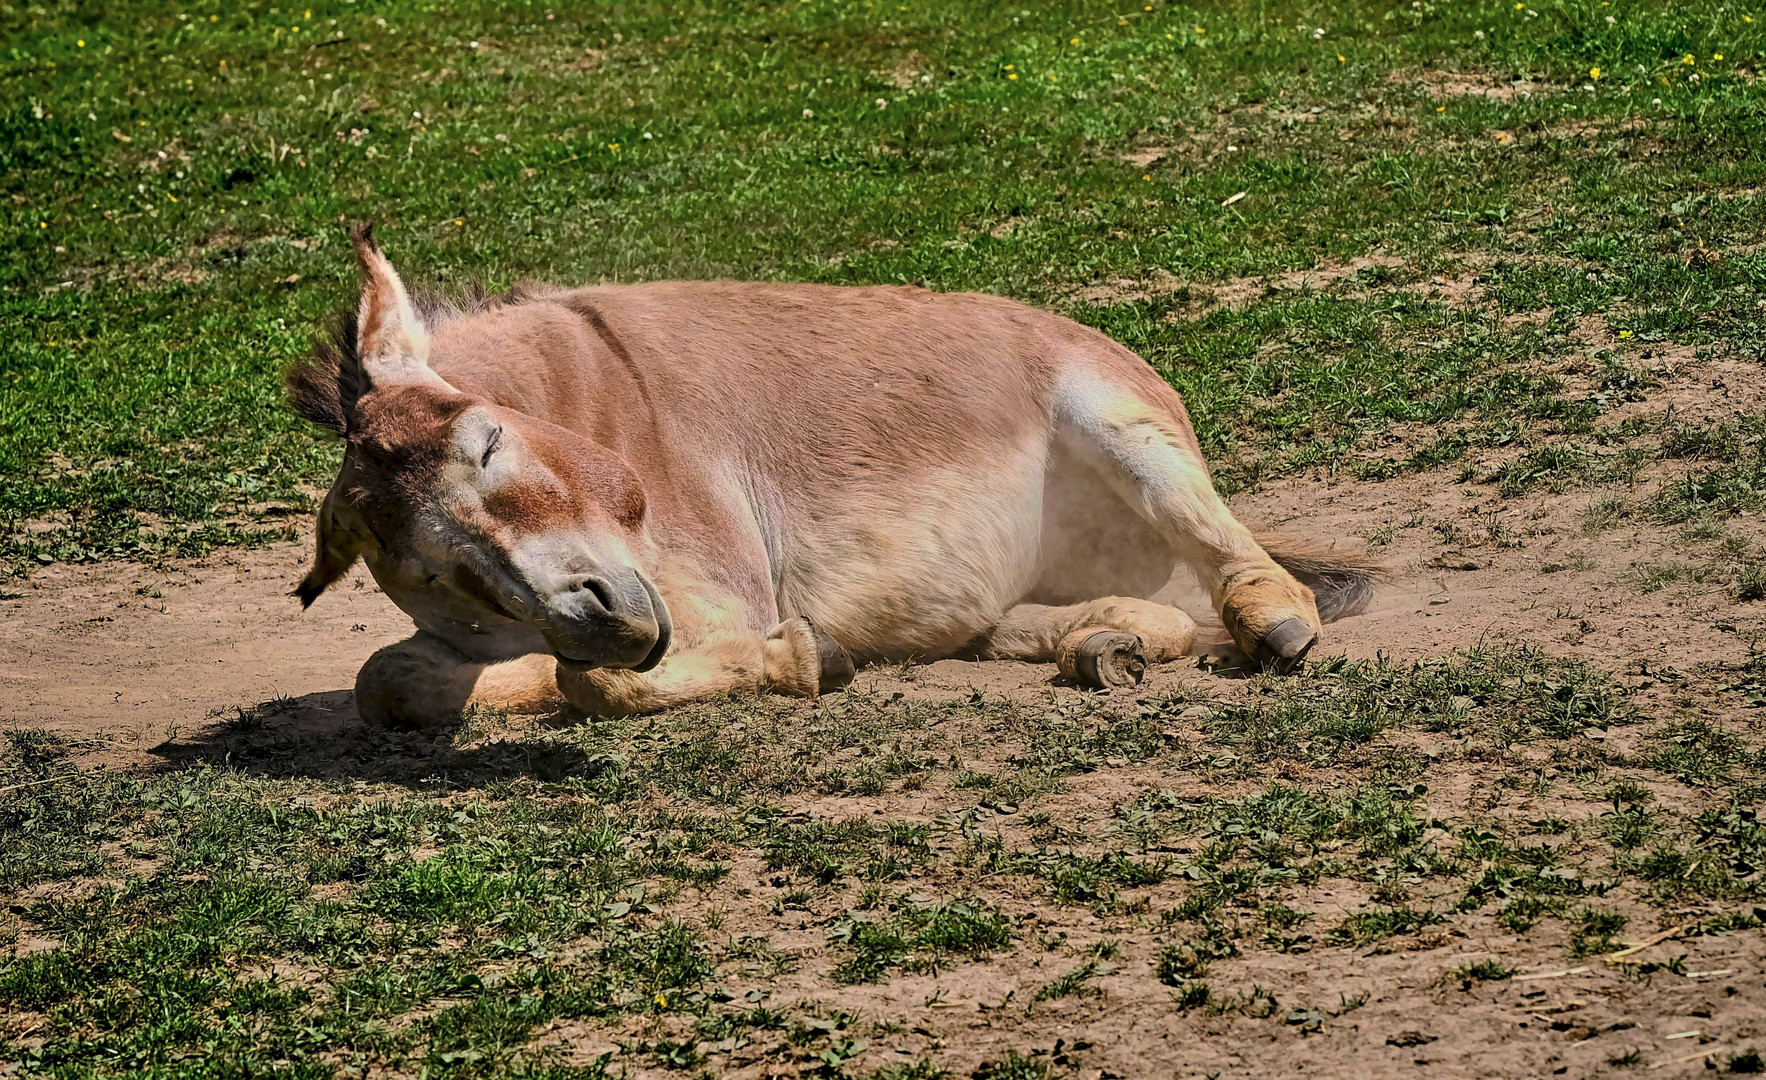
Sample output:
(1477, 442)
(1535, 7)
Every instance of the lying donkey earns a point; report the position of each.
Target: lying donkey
(622, 498)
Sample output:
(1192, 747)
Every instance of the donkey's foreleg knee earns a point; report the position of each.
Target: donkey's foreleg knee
(423, 682)
(803, 661)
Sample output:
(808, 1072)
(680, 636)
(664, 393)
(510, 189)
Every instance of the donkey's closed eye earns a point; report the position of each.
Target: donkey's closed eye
(490, 447)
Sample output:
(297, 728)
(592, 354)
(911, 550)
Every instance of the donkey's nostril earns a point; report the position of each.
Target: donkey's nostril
(603, 596)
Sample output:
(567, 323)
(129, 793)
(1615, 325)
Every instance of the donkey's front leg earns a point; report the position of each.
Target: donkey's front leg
(423, 682)
(794, 658)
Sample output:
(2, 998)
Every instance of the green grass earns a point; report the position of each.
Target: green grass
(186, 169)
(275, 899)
(917, 937)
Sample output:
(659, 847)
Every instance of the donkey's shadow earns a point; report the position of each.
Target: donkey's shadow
(320, 736)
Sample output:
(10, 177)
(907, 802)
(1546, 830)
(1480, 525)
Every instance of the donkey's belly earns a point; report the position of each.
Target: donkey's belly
(1094, 544)
(921, 568)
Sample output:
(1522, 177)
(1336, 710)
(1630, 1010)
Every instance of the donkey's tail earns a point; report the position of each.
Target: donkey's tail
(1343, 582)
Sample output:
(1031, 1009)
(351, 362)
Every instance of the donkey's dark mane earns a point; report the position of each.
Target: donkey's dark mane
(323, 386)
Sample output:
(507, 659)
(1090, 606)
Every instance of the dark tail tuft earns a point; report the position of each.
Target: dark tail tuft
(1343, 582)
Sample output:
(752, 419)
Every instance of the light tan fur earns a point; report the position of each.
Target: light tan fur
(660, 483)
(1034, 632)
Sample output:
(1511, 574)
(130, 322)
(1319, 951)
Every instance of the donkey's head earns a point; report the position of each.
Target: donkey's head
(496, 530)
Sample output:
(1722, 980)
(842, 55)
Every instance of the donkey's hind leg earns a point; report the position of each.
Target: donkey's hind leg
(1100, 643)
(1132, 429)
(423, 681)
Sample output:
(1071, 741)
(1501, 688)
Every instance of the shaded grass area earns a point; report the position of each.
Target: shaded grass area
(280, 898)
(176, 176)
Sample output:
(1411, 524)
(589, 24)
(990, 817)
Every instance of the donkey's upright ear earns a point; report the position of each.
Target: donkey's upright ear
(392, 344)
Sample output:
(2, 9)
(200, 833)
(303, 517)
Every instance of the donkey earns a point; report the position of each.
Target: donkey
(622, 498)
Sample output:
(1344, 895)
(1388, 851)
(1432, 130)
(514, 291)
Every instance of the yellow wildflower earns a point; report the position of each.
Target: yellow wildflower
(1594, 73)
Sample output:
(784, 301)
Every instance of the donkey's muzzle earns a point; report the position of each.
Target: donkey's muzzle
(614, 620)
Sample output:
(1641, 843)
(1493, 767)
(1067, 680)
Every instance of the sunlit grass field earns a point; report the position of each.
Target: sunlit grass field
(177, 177)
(1364, 239)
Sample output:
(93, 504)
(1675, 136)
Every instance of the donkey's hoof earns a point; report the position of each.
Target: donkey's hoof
(1286, 644)
(835, 662)
(1105, 659)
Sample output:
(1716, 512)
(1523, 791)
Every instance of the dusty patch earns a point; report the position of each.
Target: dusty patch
(219, 250)
(137, 652)
(1583, 129)
(1240, 291)
(1452, 84)
(1232, 293)
(1146, 155)
(906, 71)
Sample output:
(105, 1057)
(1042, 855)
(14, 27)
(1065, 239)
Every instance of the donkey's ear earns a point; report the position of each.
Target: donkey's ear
(392, 344)
(342, 539)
